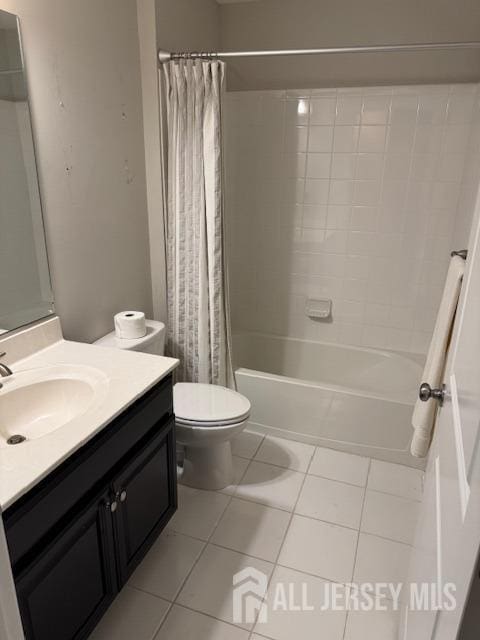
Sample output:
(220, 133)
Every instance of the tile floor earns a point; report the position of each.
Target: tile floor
(301, 514)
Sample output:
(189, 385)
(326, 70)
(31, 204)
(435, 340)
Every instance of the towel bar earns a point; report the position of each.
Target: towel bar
(461, 254)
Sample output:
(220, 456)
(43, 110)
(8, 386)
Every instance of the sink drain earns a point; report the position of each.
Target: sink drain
(16, 439)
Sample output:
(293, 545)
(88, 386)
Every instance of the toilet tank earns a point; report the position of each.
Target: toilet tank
(153, 342)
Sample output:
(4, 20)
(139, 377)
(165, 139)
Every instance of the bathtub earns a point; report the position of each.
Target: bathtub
(353, 399)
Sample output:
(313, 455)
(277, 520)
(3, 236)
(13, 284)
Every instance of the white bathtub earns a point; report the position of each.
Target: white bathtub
(353, 399)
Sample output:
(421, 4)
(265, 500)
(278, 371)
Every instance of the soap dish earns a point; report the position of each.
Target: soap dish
(318, 309)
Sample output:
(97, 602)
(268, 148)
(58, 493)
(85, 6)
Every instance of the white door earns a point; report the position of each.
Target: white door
(448, 535)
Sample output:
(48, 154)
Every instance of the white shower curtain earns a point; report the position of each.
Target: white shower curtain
(198, 315)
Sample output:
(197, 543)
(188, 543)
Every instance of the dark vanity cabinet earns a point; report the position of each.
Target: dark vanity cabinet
(63, 593)
(75, 539)
(142, 493)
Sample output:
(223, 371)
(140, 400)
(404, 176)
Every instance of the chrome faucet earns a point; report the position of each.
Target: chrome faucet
(4, 370)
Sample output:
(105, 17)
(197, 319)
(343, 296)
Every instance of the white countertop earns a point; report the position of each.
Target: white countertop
(127, 376)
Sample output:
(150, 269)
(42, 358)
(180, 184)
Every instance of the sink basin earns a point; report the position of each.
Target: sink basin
(37, 402)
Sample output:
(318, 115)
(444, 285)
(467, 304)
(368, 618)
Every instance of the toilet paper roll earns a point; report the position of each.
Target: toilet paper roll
(130, 325)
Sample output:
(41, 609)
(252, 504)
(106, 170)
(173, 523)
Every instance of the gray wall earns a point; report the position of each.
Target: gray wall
(188, 25)
(84, 77)
(173, 25)
(284, 24)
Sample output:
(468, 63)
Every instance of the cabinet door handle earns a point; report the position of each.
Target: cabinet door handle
(112, 506)
(123, 495)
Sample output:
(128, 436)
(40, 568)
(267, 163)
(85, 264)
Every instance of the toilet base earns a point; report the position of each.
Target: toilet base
(208, 468)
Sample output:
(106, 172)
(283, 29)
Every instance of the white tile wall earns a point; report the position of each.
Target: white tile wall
(352, 194)
(469, 185)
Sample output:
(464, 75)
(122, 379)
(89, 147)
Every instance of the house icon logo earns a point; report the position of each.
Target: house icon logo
(249, 591)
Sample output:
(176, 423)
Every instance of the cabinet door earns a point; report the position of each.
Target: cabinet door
(64, 593)
(145, 493)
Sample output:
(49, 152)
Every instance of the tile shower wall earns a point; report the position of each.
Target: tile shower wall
(470, 184)
(347, 194)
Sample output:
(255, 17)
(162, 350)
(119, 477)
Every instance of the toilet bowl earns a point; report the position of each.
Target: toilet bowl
(207, 417)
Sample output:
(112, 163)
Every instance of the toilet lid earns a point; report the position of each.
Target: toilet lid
(196, 402)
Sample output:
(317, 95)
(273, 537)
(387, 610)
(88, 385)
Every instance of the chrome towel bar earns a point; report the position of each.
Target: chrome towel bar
(461, 254)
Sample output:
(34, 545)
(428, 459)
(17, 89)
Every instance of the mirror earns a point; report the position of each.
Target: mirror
(25, 289)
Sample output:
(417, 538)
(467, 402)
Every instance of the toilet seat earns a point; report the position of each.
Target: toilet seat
(205, 425)
(205, 405)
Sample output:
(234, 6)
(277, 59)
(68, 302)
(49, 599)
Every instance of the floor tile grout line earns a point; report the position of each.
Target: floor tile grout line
(376, 535)
(260, 504)
(350, 484)
(174, 603)
(314, 447)
(237, 455)
(207, 542)
(364, 488)
(154, 595)
(389, 493)
(187, 535)
(242, 553)
(262, 438)
(279, 466)
(319, 475)
(320, 447)
(301, 515)
(394, 495)
(259, 445)
(358, 538)
(235, 486)
(157, 630)
(248, 499)
(230, 497)
(311, 575)
(361, 518)
(275, 563)
(323, 521)
(205, 545)
(203, 613)
(264, 637)
(150, 593)
(293, 512)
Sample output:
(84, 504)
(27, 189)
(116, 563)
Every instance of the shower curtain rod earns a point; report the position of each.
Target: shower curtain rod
(165, 56)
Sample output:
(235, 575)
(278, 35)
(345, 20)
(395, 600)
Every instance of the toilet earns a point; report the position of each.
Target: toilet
(207, 417)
